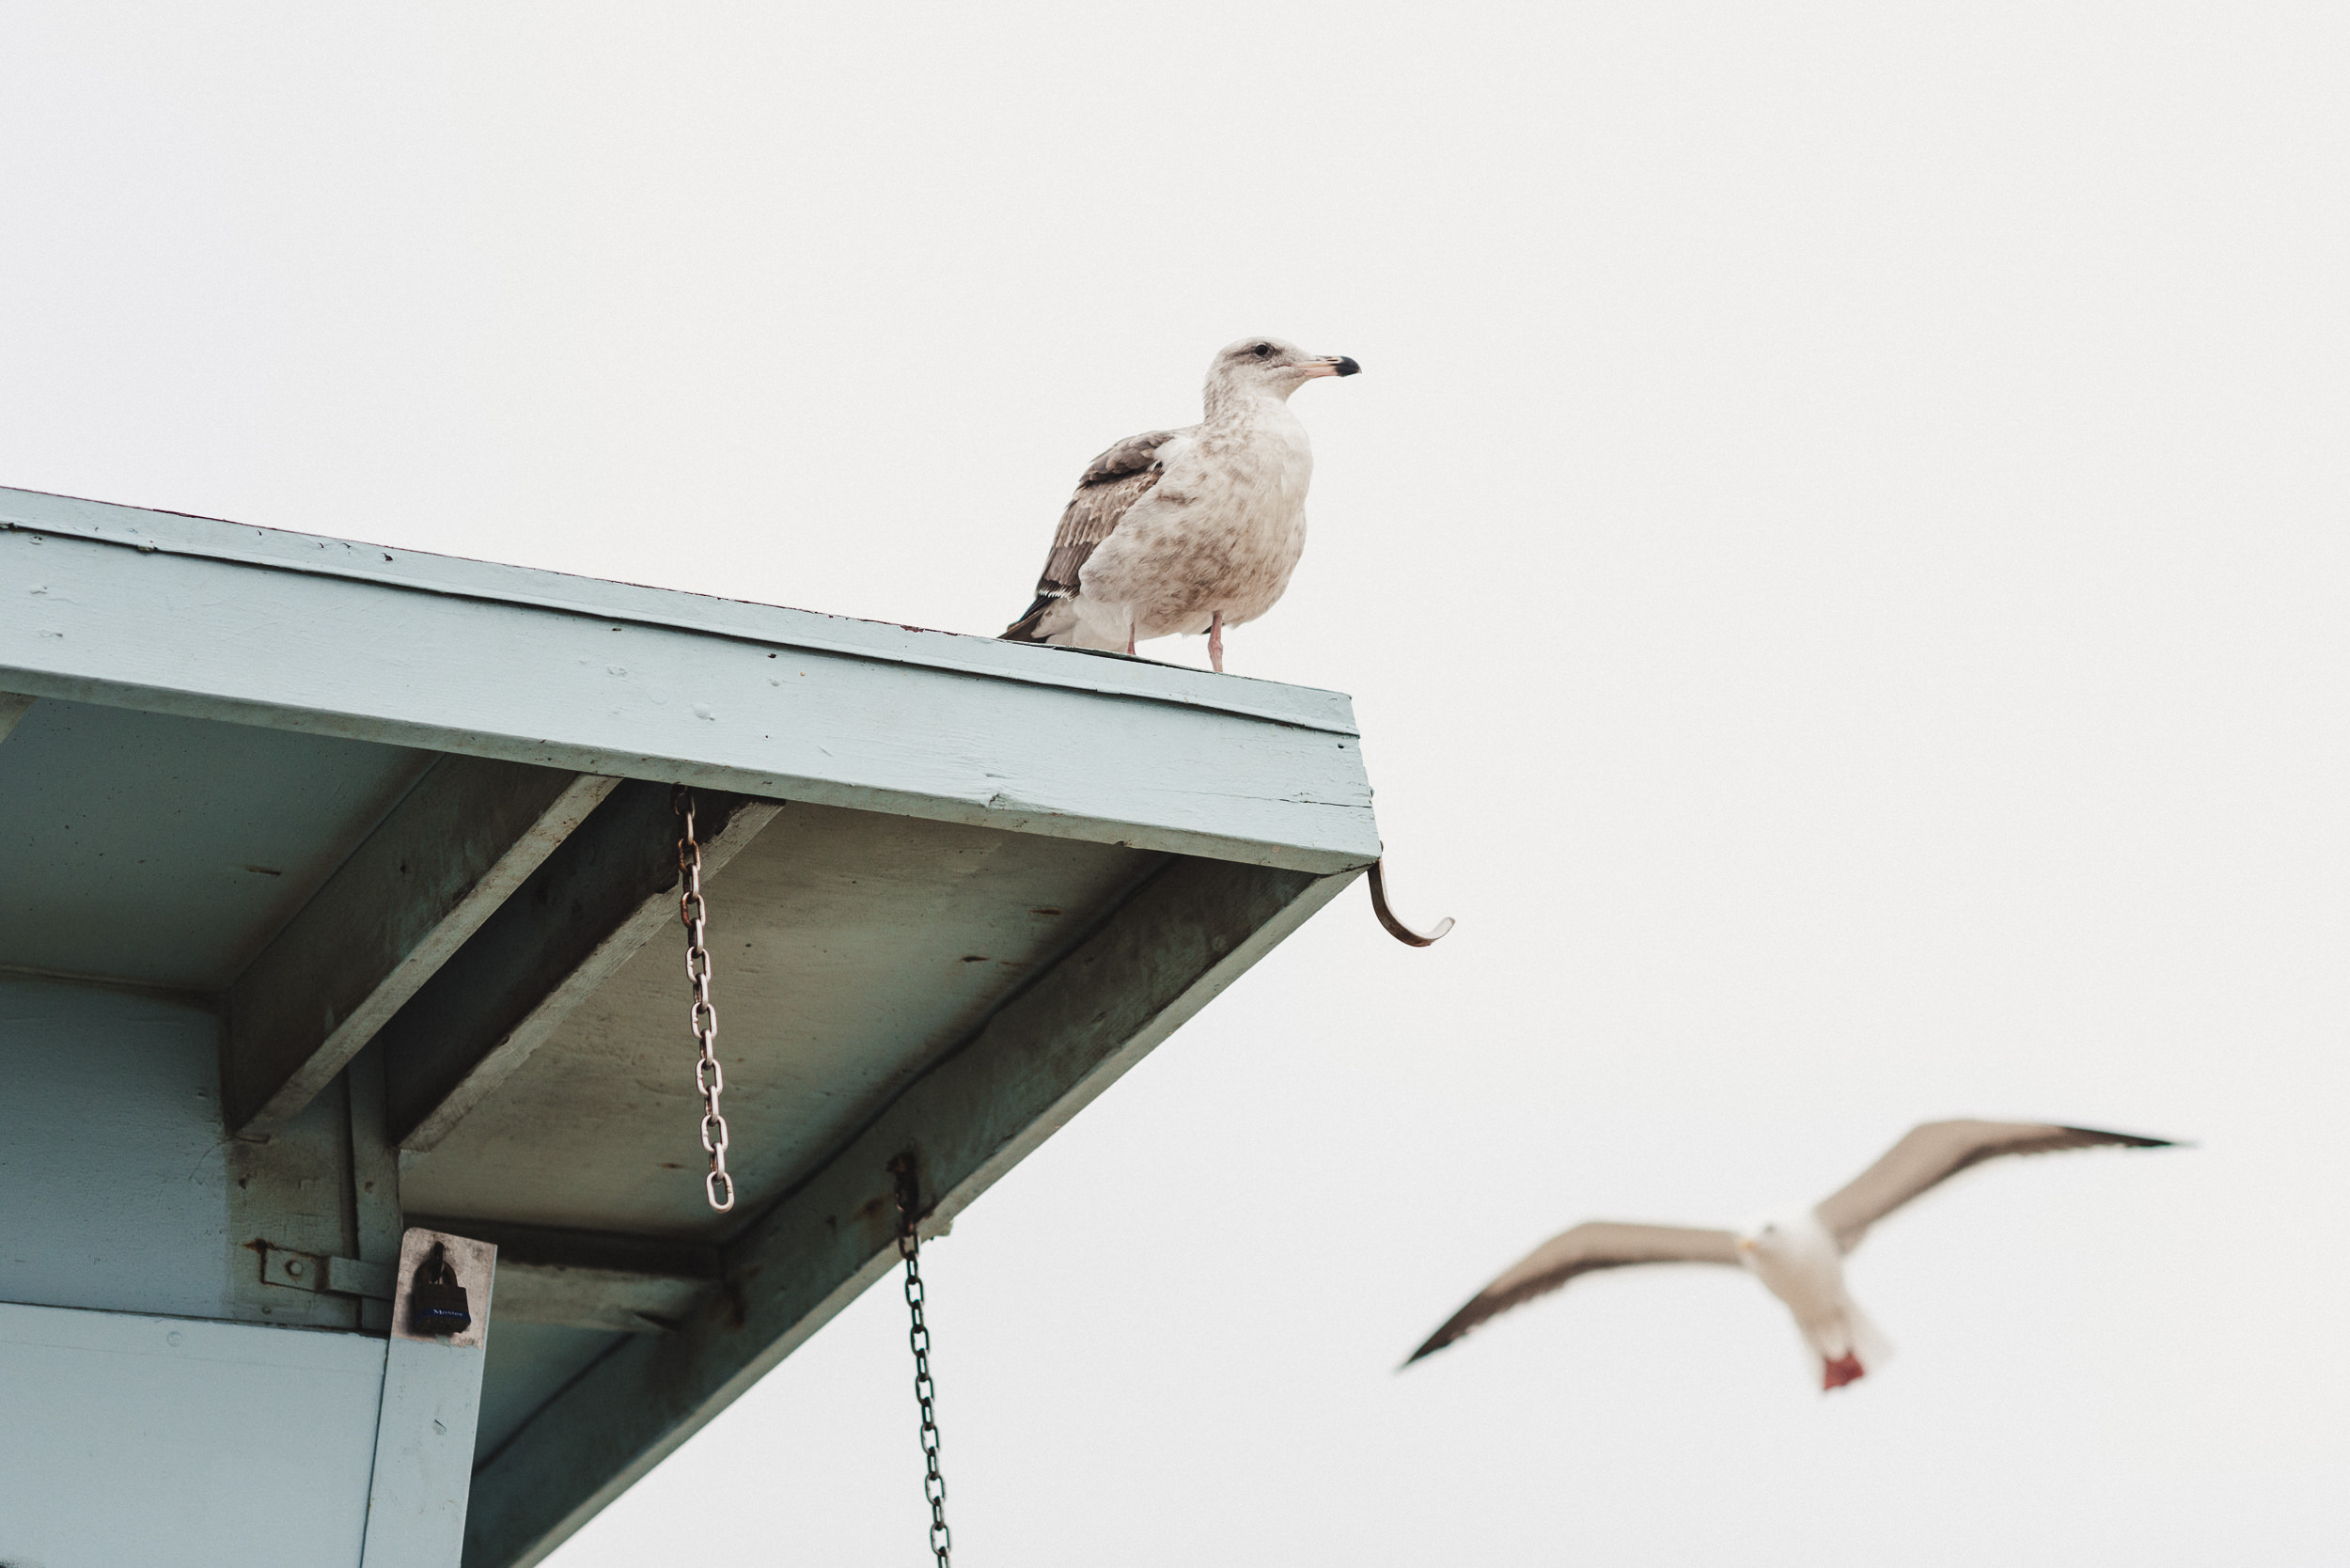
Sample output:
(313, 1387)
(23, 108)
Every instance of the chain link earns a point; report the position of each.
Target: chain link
(709, 1076)
(925, 1391)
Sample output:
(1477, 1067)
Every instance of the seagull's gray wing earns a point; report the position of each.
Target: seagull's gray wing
(1932, 1153)
(1111, 485)
(1595, 1245)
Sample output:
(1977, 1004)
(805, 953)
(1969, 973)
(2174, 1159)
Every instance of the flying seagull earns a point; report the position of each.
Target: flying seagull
(1190, 530)
(1799, 1260)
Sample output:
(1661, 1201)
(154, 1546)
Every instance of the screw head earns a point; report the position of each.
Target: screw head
(294, 1269)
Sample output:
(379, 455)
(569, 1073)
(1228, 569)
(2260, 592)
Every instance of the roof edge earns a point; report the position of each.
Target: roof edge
(157, 532)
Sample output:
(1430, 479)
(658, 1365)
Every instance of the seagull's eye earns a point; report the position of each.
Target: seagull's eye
(1262, 350)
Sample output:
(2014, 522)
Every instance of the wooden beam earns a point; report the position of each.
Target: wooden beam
(424, 881)
(429, 1413)
(593, 1278)
(1182, 937)
(578, 918)
(208, 619)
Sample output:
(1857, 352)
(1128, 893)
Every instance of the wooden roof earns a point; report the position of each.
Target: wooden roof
(402, 825)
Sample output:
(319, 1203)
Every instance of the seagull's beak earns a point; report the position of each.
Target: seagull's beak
(1332, 364)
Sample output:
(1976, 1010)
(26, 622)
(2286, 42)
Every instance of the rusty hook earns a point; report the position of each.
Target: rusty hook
(1396, 928)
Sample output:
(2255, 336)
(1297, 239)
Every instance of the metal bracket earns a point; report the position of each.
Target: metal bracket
(907, 1189)
(309, 1271)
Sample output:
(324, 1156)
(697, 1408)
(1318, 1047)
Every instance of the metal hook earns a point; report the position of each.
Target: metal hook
(1396, 928)
(905, 1187)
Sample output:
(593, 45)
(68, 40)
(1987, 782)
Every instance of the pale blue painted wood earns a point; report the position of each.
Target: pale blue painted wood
(114, 1183)
(528, 1364)
(424, 1445)
(853, 952)
(212, 619)
(120, 1190)
(168, 851)
(434, 869)
(424, 1437)
(130, 1439)
(1047, 1054)
(317, 644)
(276, 549)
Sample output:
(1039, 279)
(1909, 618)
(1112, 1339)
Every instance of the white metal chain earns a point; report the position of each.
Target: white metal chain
(708, 1076)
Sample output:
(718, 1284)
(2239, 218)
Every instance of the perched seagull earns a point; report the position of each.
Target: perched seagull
(1799, 1260)
(1189, 530)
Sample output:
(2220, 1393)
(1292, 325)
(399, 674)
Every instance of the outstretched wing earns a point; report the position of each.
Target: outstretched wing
(1112, 484)
(1589, 1246)
(1934, 1152)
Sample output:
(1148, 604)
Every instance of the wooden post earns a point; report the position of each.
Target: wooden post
(424, 1432)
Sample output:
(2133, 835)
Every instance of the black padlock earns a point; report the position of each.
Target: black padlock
(436, 1302)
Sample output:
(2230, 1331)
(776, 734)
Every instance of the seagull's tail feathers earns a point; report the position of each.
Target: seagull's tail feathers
(1051, 618)
(1849, 1346)
(1066, 620)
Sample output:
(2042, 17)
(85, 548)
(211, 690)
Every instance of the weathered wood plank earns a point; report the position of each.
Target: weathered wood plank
(428, 1414)
(579, 917)
(423, 882)
(188, 616)
(593, 1278)
(1182, 937)
(280, 549)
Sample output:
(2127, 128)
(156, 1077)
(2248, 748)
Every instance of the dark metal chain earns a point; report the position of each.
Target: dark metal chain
(708, 1076)
(925, 1391)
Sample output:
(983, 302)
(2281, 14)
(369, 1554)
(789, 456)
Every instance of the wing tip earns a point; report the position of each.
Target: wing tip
(2129, 1140)
(1453, 1330)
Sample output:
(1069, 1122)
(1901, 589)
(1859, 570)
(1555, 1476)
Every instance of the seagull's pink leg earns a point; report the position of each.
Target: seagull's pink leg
(1844, 1368)
(1130, 633)
(1215, 641)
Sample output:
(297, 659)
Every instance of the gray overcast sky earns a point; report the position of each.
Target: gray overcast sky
(1837, 549)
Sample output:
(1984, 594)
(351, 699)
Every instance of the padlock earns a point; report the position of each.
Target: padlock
(436, 1302)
